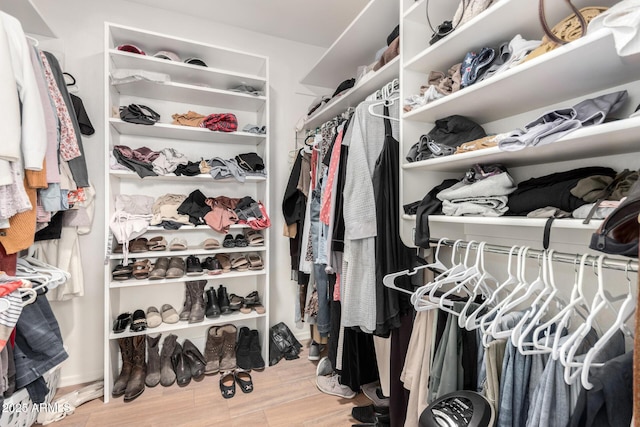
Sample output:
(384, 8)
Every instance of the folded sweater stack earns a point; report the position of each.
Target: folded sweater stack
(486, 197)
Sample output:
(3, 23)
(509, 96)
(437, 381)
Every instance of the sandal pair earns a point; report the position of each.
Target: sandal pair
(254, 238)
(141, 269)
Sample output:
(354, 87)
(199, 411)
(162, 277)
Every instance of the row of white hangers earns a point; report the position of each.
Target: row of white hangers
(387, 95)
(35, 275)
(533, 332)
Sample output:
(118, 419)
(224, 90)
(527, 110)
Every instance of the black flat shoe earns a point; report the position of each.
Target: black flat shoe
(243, 378)
(229, 241)
(195, 359)
(121, 322)
(228, 384)
(138, 321)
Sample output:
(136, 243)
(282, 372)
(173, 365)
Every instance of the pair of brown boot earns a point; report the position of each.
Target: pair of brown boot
(131, 380)
(220, 349)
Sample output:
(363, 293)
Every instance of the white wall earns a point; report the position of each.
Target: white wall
(79, 25)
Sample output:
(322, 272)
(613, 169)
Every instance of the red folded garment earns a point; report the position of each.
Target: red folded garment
(226, 122)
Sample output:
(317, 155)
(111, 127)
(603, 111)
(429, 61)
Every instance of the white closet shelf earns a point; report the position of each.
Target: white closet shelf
(165, 327)
(511, 221)
(165, 130)
(29, 16)
(195, 228)
(356, 94)
(538, 82)
(215, 57)
(416, 12)
(355, 46)
(122, 174)
(133, 283)
(192, 95)
(181, 72)
(617, 137)
(192, 251)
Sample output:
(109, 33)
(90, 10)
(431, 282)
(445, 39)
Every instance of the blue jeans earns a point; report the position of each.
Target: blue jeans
(323, 320)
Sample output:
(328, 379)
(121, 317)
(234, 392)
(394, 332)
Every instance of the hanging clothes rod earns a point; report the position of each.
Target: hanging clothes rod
(608, 262)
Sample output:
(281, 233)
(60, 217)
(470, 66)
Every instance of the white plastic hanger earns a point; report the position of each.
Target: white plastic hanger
(577, 304)
(481, 286)
(473, 322)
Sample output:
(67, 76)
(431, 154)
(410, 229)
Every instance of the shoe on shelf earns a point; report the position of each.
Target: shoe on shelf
(212, 310)
(211, 265)
(153, 361)
(223, 300)
(235, 302)
(243, 357)
(195, 359)
(255, 351)
(228, 358)
(153, 317)
(135, 385)
(159, 270)
(331, 385)
(176, 268)
(196, 290)
(126, 352)
(181, 366)
(213, 350)
(169, 314)
(121, 323)
(167, 374)
(194, 268)
(324, 367)
(229, 241)
(138, 321)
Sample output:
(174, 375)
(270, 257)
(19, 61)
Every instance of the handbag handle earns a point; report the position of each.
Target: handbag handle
(547, 30)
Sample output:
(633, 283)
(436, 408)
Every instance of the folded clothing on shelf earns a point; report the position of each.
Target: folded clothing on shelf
(225, 122)
(482, 197)
(448, 133)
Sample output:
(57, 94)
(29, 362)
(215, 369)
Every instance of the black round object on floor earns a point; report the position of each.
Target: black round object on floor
(459, 409)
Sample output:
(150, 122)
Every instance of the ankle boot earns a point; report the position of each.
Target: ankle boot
(186, 307)
(167, 374)
(213, 309)
(242, 351)
(228, 359)
(135, 386)
(195, 359)
(223, 300)
(181, 366)
(126, 351)
(213, 351)
(153, 361)
(255, 351)
(196, 290)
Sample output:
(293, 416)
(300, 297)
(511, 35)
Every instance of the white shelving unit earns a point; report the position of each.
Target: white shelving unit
(205, 90)
(355, 47)
(582, 69)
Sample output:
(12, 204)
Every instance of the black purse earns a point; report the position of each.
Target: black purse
(444, 29)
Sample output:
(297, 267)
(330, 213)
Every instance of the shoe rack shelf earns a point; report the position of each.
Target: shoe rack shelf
(169, 131)
(185, 253)
(585, 68)
(122, 174)
(181, 325)
(205, 90)
(218, 277)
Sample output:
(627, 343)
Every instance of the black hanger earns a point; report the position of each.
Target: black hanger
(73, 79)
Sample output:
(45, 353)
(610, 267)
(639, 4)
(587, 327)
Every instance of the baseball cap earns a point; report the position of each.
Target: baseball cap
(165, 54)
(131, 48)
(195, 61)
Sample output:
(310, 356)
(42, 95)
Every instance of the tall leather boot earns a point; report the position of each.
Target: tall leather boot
(196, 290)
(167, 374)
(228, 359)
(212, 310)
(126, 351)
(135, 386)
(153, 361)
(186, 307)
(213, 350)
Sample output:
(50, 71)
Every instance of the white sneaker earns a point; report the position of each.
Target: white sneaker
(331, 385)
(324, 367)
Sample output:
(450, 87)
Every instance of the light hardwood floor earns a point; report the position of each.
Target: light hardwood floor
(284, 395)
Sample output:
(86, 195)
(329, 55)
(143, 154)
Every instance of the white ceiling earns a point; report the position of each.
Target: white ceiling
(315, 22)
